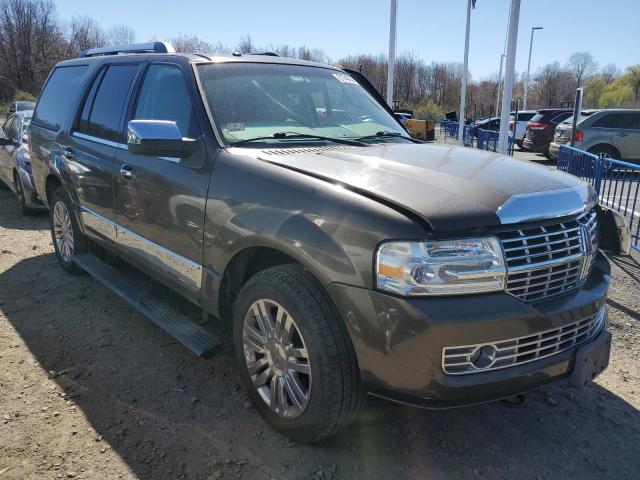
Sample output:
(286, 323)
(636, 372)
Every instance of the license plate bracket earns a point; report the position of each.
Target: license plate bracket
(591, 360)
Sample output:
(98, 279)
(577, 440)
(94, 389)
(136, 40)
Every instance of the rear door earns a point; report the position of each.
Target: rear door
(626, 135)
(92, 146)
(160, 202)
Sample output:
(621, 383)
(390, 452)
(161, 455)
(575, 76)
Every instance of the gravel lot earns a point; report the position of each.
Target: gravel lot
(91, 389)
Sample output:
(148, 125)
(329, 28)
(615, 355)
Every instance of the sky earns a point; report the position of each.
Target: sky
(434, 30)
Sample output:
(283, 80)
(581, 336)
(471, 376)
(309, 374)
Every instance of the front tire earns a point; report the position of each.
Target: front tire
(294, 355)
(68, 240)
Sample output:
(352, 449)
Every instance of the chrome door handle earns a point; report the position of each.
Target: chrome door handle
(127, 172)
(622, 134)
(68, 153)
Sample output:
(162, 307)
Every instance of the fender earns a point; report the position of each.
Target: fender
(57, 167)
(290, 234)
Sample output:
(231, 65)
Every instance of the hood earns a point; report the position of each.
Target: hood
(449, 187)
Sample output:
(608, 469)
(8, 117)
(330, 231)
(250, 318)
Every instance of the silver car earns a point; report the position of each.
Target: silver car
(15, 162)
(615, 133)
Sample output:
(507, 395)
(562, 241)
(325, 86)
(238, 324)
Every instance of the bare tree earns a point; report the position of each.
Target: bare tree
(86, 33)
(246, 45)
(121, 35)
(581, 66)
(191, 44)
(609, 72)
(31, 41)
(548, 84)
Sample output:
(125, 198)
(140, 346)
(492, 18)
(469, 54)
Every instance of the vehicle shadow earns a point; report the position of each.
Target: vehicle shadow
(12, 218)
(168, 414)
(629, 264)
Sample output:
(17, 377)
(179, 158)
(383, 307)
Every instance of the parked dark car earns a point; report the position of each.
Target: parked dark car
(284, 199)
(15, 163)
(19, 107)
(492, 123)
(540, 129)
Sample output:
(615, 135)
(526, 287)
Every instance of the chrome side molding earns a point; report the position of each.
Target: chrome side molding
(186, 271)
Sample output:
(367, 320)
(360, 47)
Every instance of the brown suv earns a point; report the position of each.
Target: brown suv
(283, 198)
(539, 133)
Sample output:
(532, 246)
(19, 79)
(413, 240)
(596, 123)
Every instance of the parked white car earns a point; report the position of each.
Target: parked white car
(523, 118)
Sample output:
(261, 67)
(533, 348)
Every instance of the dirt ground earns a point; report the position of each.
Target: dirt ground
(91, 389)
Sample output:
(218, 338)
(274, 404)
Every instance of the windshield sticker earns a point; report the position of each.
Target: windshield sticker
(344, 78)
(235, 127)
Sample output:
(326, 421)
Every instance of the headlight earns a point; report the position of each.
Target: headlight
(441, 267)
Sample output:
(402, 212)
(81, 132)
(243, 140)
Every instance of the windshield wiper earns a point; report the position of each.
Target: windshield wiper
(294, 135)
(385, 134)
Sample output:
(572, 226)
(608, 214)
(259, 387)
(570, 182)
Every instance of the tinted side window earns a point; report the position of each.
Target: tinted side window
(55, 101)
(523, 117)
(83, 123)
(106, 111)
(618, 120)
(164, 96)
(561, 117)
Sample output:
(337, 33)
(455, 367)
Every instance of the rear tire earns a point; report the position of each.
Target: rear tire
(608, 150)
(68, 240)
(332, 392)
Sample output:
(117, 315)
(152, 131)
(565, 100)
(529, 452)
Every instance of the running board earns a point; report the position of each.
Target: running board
(158, 310)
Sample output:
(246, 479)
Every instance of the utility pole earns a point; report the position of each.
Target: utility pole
(499, 85)
(503, 141)
(392, 52)
(526, 82)
(463, 93)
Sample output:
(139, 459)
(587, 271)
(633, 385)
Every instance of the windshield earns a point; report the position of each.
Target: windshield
(250, 100)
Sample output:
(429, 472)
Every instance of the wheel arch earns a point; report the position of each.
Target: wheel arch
(256, 256)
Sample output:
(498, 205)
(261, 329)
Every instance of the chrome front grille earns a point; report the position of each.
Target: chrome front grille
(490, 356)
(550, 259)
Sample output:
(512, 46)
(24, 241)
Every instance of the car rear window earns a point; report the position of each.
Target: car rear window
(102, 112)
(54, 104)
(537, 117)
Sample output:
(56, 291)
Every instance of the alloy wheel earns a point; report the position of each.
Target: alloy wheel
(63, 231)
(277, 359)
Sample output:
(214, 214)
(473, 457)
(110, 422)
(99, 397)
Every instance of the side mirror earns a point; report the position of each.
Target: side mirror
(158, 138)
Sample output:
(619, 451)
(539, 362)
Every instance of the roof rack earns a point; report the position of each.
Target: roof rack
(268, 54)
(151, 47)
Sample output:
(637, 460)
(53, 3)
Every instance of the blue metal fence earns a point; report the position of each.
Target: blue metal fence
(617, 183)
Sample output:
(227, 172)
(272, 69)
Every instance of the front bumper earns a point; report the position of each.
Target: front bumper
(538, 144)
(399, 341)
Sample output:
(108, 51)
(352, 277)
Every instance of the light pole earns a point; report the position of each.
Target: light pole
(392, 52)
(503, 139)
(499, 83)
(526, 82)
(463, 92)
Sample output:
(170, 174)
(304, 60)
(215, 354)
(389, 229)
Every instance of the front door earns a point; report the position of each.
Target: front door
(160, 202)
